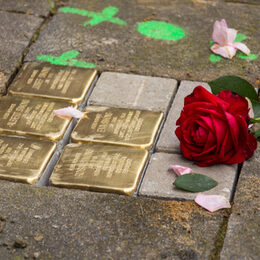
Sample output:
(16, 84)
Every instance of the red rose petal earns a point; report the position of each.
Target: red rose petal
(206, 152)
(251, 146)
(201, 135)
(233, 128)
(201, 94)
(220, 128)
(242, 136)
(226, 150)
(238, 104)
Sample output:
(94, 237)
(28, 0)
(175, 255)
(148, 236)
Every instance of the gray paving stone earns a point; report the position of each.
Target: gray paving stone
(255, 2)
(57, 223)
(168, 142)
(16, 33)
(133, 91)
(158, 179)
(243, 232)
(36, 7)
(121, 48)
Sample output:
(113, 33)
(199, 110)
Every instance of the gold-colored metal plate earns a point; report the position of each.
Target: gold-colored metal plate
(32, 117)
(100, 167)
(53, 82)
(23, 159)
(118, 126)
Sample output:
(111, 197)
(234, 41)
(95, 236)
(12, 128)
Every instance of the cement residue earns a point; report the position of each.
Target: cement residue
(187, 217)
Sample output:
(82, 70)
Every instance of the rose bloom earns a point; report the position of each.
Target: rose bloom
(214, 129)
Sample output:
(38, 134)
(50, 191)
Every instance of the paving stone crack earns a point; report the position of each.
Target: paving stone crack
(20, 61)
(165, 115)
(239, 168)
(245, 3)
(25, 13)
(156, 221)
(44, 180)
(220, 237)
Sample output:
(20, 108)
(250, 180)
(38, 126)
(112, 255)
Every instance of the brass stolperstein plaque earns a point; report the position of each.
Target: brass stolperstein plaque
(32, 117)
(100, 167)
(23, 159)
(118, 126)
(53, 82)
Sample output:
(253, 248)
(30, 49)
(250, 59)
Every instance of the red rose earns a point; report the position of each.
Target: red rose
(214, 129)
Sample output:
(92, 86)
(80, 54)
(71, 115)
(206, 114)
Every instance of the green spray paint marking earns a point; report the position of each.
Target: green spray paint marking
(97, 18)
(161, 30)
(239, 38)
(66, 59)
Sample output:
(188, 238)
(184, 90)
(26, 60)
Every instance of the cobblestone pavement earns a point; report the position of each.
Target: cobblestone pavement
(128, 66)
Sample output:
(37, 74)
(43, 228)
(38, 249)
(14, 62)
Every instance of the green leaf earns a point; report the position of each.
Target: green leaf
(256, 109)
(195, 182)
(257, 134)
(255, 120)
(214, 58)
(240, 37)
(243, 56)
(235, 84)
(51, 6)
(211, 43)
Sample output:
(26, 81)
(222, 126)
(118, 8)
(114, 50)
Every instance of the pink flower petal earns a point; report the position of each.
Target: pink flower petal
(225, 51)
(218, 35)
(212, 202)
(222, 34)
(68, 112)
(231, 35)
(180, 170)
(250, 106)
(224, 38)
(223, 23)
(242, 47)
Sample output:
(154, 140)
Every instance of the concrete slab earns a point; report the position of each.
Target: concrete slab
(158, 179)
(168, 142)
(36, 7)
(133, 91)
(119, 46)
(242, 237)
(16, 33)
(51, 223)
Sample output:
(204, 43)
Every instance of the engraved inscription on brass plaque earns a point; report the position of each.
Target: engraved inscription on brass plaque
(32, 117)
(120, 126)
(100, 167)
(54, 82)
(23, 159)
